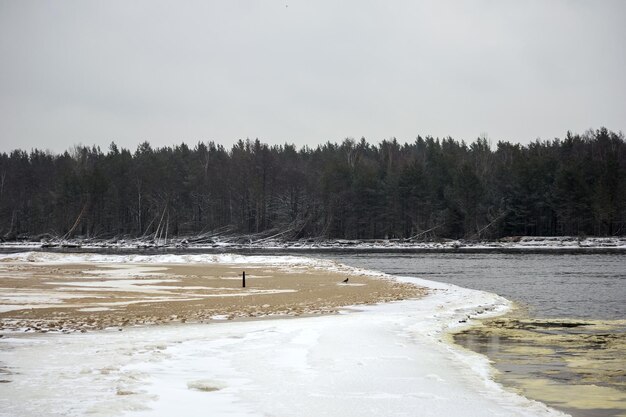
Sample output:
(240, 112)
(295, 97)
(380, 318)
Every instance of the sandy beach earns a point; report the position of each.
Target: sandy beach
(377, 359)
(66, 297)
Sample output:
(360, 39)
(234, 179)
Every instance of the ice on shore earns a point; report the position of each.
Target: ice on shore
(515, 243)
(384, 360)
(133, 265)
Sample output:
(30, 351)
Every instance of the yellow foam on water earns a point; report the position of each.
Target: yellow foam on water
(568, 364)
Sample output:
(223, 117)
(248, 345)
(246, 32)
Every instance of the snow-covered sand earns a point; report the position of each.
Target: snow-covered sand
(84, 292)
(385, 360)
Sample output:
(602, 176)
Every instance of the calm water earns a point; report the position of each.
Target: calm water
(565, 346)
(554, 286)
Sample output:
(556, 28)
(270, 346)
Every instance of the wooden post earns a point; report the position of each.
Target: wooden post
(244, 279)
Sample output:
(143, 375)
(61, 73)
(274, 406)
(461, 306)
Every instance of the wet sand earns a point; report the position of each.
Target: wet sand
(92, 296)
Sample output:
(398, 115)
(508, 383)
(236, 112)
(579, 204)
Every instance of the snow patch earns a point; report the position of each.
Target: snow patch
(388, 359)
(94, 309)
(206, 385)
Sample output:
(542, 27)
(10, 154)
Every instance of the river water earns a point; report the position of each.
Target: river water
(564, 343)
(555, 286)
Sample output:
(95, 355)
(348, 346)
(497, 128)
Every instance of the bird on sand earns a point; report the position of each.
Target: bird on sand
(345, 281)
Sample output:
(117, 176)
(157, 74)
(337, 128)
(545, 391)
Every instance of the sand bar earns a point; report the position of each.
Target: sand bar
(84, 296)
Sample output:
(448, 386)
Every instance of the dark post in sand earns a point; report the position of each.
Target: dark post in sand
(244, 279)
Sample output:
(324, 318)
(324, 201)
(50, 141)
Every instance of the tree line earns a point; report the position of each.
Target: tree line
(430, 188)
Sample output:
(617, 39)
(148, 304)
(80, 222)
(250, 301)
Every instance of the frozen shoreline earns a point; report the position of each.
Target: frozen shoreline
(564, 244)
(388, 359)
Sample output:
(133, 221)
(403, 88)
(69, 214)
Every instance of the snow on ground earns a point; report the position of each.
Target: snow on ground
(516, 243)
(49, 258)
(26, 298)
(384, 360)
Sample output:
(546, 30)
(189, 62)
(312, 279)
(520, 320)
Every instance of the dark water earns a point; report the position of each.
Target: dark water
(563, 286)
(565, 346)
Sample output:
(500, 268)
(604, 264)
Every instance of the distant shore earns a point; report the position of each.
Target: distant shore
(523, 244)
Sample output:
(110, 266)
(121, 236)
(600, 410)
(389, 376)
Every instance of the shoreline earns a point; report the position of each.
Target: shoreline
(516, 245)
(574, 365)
(85, 292)
(383, 338)
(464, 320)
(313, 251)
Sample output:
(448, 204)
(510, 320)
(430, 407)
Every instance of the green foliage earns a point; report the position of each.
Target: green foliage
(425, 189)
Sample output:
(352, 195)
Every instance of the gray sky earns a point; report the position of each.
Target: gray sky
(306, 72)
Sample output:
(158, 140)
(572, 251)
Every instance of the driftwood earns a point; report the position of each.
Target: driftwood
(426, 231)
(10, 234)
(156, 233)
(148, 228)
(477, 235)
(167, 226)
(76, 223)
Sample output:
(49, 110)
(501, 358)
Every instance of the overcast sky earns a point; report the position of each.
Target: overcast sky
(305, 72)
